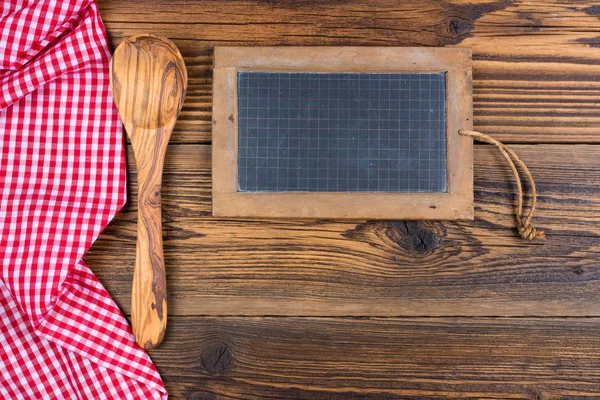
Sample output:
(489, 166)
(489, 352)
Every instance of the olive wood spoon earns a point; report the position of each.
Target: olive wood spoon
(148, 80)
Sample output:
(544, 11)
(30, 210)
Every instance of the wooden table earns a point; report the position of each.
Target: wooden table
(388, 309)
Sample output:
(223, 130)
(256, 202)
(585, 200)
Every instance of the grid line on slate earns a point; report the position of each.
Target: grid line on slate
(341, 132)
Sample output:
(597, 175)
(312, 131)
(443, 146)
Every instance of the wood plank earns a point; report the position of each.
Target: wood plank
(536, 80)
(386, 268)
(340, 358)
(536, 67)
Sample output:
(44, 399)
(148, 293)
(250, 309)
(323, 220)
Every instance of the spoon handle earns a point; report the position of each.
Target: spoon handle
(149, 291)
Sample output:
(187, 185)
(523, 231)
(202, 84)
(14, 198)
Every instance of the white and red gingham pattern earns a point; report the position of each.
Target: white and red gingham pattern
(62, 179)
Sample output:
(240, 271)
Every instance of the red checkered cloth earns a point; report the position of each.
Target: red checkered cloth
(62, 179)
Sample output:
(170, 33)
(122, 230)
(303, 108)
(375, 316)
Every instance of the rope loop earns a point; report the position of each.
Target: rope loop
(526, 230)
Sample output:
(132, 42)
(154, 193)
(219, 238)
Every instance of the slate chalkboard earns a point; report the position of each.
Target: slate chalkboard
(342, 132)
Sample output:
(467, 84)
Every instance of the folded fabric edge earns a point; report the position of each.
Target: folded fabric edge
(87, 309)
(85, 316)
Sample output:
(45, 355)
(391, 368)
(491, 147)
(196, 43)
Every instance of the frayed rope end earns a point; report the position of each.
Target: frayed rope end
(526, 231)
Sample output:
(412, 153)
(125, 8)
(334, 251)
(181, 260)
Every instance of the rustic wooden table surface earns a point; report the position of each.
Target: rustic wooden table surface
(389, 309)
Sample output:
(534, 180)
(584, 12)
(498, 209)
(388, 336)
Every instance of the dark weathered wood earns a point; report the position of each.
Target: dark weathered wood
(536, 77)
(148, 80)
(308, 358)
(396, 268)
(536, 65)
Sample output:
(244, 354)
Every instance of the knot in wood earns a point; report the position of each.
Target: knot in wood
(416, 237)
(457, 26)
(153, 198)
(216, 358)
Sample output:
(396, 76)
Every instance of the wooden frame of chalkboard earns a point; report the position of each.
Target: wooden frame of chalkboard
(228, 201)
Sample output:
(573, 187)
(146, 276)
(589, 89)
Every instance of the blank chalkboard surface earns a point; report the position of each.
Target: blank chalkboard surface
(341, 132)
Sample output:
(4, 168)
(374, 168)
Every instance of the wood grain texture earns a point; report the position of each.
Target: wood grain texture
(392, 268)
(456, 203)
(536, 64)
(536, 69)
(416, 358)
(148, 78)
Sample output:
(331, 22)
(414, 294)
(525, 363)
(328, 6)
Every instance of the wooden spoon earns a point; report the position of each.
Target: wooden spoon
(148, 80)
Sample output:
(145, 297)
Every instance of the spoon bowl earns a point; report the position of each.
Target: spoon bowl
(148, 79)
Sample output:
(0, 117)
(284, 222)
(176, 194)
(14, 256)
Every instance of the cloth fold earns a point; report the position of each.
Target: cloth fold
(62, 179)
